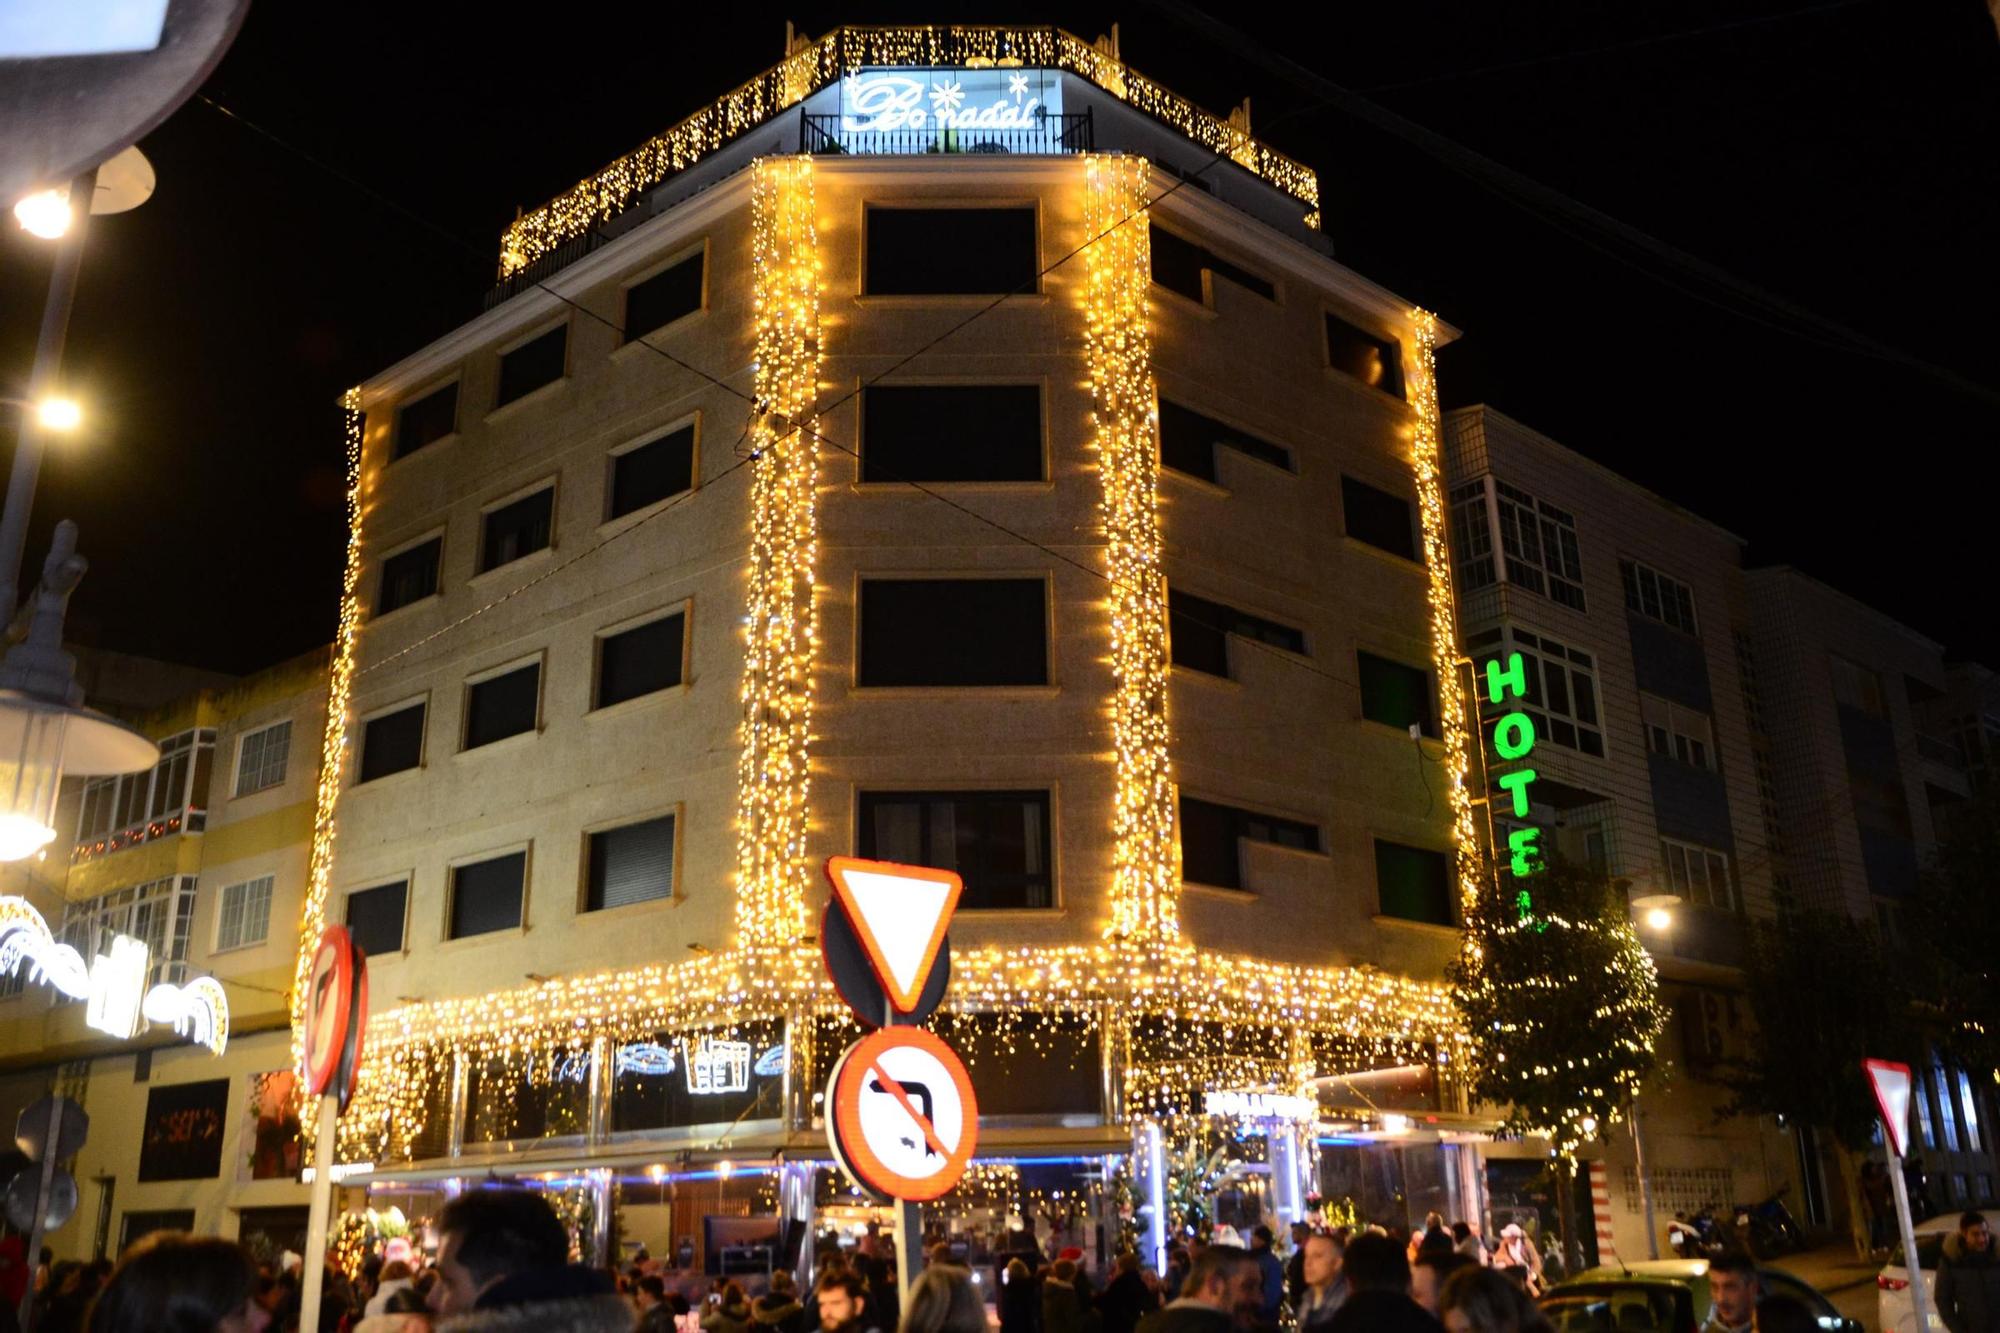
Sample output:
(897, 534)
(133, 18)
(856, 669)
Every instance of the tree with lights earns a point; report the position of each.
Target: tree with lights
(1562, 1006)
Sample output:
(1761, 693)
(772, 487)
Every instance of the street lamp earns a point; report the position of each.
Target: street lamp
(1656, 910)
(45, 213)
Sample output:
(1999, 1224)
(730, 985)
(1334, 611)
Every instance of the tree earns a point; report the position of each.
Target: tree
(1562, 1006)
(1954, 930)
(1823, 997)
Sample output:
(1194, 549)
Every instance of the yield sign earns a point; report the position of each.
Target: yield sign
(1892, 1098)
(900, 914)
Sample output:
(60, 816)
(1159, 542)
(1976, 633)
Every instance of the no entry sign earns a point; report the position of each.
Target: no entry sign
(904, 1121)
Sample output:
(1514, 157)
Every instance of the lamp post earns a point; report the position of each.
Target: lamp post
(1656, 913)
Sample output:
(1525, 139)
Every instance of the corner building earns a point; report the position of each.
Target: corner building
(1023, 489)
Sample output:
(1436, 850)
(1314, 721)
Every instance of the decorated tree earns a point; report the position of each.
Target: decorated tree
(1563, 1008)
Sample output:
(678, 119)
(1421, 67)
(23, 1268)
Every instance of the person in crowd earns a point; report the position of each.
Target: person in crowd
(1378, 1285)
(391, 1278)
(1126, 1298)
(1063, 1306)
(1272, 1271)
(1782, 1314)
(778, 1310)
(650, 1295)
(1968, 1278)
(1326, 1286)
(1178, 1262)
(1224, 1293)
(728, 1311)
(503, 1264)
(1434, 1267)
(943, 1300)
(1295, 1265)
(1733, 1289)
(1433, 1235)
(1467, 1241)
(1479, 1300)
(843, 1305)
(1877, 1196)
(829, 1265)
(171, 1282)
(1517, 1251)
(1020, 1302)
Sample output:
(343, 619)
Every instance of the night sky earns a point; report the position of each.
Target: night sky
(1844, 153)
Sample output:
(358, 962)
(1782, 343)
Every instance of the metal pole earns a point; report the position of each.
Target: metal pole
(1645, 1185)
(41, 1208)
(909, 1247)
(1919, 1299)
(41, 381)
(322, 1206)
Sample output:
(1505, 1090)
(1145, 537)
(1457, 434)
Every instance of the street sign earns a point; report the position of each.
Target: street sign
(854, 976)
(32, 1129)
(900, 914)
(336, 1015)
(1892, 1083)
(59, 1208)
(903, 1120)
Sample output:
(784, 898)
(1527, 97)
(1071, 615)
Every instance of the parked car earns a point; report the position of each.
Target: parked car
(1893, 1307)
(1665, 1296)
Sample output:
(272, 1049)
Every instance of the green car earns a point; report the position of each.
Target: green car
(1664, 1296)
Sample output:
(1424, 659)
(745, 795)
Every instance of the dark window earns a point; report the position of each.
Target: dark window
(517, 529)
(137, 1225)
(1210, 834)
(533, 364)
(951, 251)
(1178, 264)
(663, 298)
(502, 706)
(1200, 631)
(409, 576)
(1188, 441)
(375, 917)
(633, 864)
(1376, 362)
(392, 743)
(429, 419)
(486, 895)
(1395, 694)
(1414, 883)
(640, 660)
(954, 632)
(1378, 518)
(652, 472)
(997, 841)
(952, 432)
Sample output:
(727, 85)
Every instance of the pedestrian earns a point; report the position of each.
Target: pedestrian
(1272, 1271)
(1178, 1263)
(650, 1295)
(1126, 1299)
(1020, 1303)
(503, 1265)
(391, 1278)
(1062, 1305)
(943, 1300)
(1877, 1194)
(1378, 1284)
(728, 1311)
(1433, 1268)
(1223, 1293)
(1479, 1300)
(1466, 1240)
(1968, 1278)
(1295, 1266)
(843, 1305)
(1326, 1285)
(1733, 1289)
(1517, 1251)
(778, 1310)
(171, 1282)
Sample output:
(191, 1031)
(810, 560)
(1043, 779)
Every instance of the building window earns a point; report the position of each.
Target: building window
(651, 472)
(1178, 264)
(951, 251)
(1472, 535)
(516, 529)
(1653, 594)
(392, 743)
(261, 756)
(427, 420)
(633, 864)
(1681, 733)
(503, 705)
(954, 632)
(1394, 694)
(1540, 544)
(997, 841)
(1378, 518)
(159, 914)
(486, 895)
(1413, 883)
(1200, 630)
(1212, 837)
(1698, 874)
(1377, 362)
(640, 660)
(170, 797)
(534, 363)
(668, 295)
(1561, 695)
(409, 576)
(1189, 440)
(952, 432)
(375, 917)
(1856, 687)
(245, 914)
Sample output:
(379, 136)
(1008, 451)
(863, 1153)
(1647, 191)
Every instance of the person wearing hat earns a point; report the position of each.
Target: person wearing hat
(1517, 1251)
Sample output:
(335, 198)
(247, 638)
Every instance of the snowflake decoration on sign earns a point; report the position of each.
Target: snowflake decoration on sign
(1017, 86)
(946, 96)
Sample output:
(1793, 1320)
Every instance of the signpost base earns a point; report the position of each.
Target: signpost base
(1919, 1298)
(322, 1205)
(909, 1249)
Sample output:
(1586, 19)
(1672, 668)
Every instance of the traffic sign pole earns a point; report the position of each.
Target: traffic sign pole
(909, 1248)
(322, 1207)
(41, 1207)
(1893, 1085)
(1919, 1298)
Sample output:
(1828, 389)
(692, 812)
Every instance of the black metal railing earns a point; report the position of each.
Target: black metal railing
(544, 267)
(1068, 133)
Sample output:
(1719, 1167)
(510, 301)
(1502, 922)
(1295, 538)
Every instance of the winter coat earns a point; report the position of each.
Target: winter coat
(379, 1302)
(1274, 1282)
(1382, 1312)
(1125, 1301)
(1020, 1307)
(726, 1319)
(772, 1313)
(1062, 1307)
(1968, 1287)
(577, 1314)
(1187, 1316)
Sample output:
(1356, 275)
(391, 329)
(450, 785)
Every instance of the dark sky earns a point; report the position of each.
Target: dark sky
(1843, 153)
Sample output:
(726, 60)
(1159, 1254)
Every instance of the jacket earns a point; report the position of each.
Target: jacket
(726, 1319)
(1187, 1316)
(1968, 1287)
(379, 1302)
(1062, 1307)
(1020, 1306)
(1125, 1301)
(1315, 1309)
(1274, 1282)
(1382, 1312)
(576, 1314)
(772, 1313)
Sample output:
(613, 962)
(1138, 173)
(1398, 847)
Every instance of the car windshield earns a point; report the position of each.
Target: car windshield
(1929, 1246)
(1619, 1308)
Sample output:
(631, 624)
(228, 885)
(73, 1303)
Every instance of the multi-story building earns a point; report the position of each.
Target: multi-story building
(202, 859)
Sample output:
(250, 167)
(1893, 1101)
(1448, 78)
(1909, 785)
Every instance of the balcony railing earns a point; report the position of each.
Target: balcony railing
(1940, 751)
(1068, 133)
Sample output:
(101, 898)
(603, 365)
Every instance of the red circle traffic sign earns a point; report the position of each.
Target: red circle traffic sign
(336, 1010)
(904, 1122)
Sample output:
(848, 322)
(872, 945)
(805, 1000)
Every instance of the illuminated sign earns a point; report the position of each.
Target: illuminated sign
(647, 1058)
(1261, 1105)
(878, 100)
(770, 1064)
(1514, 739)
(117, 984)
(717, 1066)
(113, 987)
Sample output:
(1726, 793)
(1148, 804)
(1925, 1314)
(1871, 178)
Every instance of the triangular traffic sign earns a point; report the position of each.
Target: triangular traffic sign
(1892, 1083)
(900, 913)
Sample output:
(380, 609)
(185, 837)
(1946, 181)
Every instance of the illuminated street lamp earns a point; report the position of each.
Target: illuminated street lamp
(1656, 911)
(45, 213)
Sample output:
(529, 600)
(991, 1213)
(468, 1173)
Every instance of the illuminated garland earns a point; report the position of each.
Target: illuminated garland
(780, 638)
(814, 65)
(1145, 856)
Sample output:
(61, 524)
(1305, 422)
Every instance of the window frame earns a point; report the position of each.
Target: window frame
(1040, 383)
(537, 659)
(408, 879)
(455, 380)
(1305, 636)
(270, 881)
(236, 788)
(526, 849)
(1535, 702)
(1431, 728)
(1376, 841)
(1046, 577)
(613, 522)
(983, 204)
(1162, 400)
(361, 722)
(1413, 521)
(1630, 571)
(698, 249)
(676, 894)
(1183, 794)
(505, 350)
(1669, 845)
(1662, 721)
(1367, 328)
(436, 534)
(552, 483)
(1051, 791)
(684, 608)
(1209, 272)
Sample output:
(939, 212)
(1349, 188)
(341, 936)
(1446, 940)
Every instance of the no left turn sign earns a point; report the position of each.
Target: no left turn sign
(904, 1121)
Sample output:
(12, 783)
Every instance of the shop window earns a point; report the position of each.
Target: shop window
(1199, 630)
(651, 472)
(486, 895)
(375, 917)
(632, 864)
(954, 632)
(1376, 361)
(533, 364)
(997, 841)
(1212, 834)
(1378, 518)
(520, 1102)
(641, 660)
(1178, 265)
(409, 576)
(502, 706)
(668, 295)
(1413, 883)
(427, 420)
(1396, 695)
(951, 251)
(951, 432)
(517, 529)
(392, 743)
(1189, 441)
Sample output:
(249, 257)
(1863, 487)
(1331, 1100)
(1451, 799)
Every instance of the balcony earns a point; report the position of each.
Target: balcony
(1050, 136)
